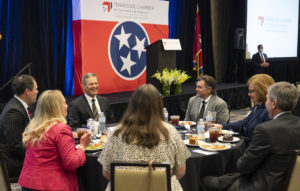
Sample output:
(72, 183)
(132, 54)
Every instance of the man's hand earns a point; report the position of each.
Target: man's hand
(265, 64)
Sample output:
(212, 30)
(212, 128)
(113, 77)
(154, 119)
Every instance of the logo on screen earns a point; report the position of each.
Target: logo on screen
(107, 6)
(126, 49)
(261, 20)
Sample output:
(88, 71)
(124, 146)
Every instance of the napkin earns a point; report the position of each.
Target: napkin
(204, 152)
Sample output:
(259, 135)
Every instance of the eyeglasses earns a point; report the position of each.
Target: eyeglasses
(251, 91)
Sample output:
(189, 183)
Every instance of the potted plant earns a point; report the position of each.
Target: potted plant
(179, 78)
(166, 78)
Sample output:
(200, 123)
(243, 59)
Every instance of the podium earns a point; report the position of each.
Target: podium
(159, 55)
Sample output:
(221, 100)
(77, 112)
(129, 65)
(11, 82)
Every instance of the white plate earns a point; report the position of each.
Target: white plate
(187, 143)
(187, 123)
(91, 150)
(234, 140)
(214, 146)
(227, 132)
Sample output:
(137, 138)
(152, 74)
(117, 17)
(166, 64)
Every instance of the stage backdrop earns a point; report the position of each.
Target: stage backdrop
(109, 40)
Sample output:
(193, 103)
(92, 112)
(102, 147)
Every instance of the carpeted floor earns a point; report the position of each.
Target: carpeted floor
(238, 114)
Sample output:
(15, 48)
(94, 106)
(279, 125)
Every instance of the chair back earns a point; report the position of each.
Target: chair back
(4, 180)
(140, 177)
(294, 184)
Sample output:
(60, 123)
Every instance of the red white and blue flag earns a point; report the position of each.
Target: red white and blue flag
(197, 48)
(109, 40)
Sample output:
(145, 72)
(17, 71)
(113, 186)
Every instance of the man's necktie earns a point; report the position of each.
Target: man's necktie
(262, 58)
(29, 113)
(94, 110)
(202, 110)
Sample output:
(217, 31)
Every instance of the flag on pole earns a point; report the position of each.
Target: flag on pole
(197, 48)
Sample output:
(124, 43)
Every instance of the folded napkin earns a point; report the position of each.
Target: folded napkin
(204, 152)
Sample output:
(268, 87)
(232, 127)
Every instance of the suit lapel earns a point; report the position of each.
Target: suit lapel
(22, 109)
(100, 103)
(88, 108)
(210, 105)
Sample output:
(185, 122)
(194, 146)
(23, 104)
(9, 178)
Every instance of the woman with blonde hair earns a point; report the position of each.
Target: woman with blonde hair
(257, 85)
(143, 136)
(51, 158)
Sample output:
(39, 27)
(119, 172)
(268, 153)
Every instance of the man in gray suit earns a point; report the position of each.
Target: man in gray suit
(13, 121)
(206, 99)
(266, 163)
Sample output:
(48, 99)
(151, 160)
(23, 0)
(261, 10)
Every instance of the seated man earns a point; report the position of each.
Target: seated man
(265, 163)
(88, 105)
(206, 99)
(13, 120)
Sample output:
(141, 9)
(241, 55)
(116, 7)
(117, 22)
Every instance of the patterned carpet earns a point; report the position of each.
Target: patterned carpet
(238, 114)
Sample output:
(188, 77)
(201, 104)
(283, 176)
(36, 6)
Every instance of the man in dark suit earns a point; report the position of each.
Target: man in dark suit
(266, 163)
(88, 105)
(13, 121)
(260, 61)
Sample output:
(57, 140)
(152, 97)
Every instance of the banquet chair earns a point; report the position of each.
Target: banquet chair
(294, 184)
(4, 180)
(140, 176)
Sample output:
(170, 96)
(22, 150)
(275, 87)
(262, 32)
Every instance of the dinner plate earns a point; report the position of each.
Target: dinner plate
(90, 150)
(224, 132)
(187, 123)
(214, 146)
(234, 140)
(187, 143)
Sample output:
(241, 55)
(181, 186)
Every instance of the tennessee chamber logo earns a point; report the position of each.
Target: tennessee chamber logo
(261, 20)
(126, 50)
(107, 6)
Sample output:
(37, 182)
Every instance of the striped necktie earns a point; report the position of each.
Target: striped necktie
(94, 110)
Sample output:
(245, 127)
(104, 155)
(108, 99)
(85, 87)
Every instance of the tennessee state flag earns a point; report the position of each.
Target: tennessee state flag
(197, 47)
(109, 40)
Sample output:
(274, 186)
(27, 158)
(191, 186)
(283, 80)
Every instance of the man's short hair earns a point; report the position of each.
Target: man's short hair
(259, 46)
(21, 83)
(209, 82)
(86, 76)
(286, 95)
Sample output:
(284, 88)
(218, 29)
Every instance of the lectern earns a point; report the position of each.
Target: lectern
(159, 55)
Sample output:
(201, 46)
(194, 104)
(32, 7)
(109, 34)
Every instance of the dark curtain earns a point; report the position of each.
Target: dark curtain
(40, 33)
(182, 24)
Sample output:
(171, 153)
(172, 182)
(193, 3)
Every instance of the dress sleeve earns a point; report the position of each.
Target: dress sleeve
(106, 156)
(70, 157)
(181, 153)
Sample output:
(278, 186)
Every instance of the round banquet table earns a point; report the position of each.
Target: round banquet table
(198, 165)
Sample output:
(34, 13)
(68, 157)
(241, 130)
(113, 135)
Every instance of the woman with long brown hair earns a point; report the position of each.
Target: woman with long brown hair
(143, 136)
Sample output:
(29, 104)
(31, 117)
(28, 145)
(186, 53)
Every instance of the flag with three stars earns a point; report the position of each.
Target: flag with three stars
(111, 42)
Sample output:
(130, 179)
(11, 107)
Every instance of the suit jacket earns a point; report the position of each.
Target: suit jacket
(266, 162)
(79, 111)
(246, 126)
(256, 61)
(52, 165)
(13, 121)
(215, 104)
